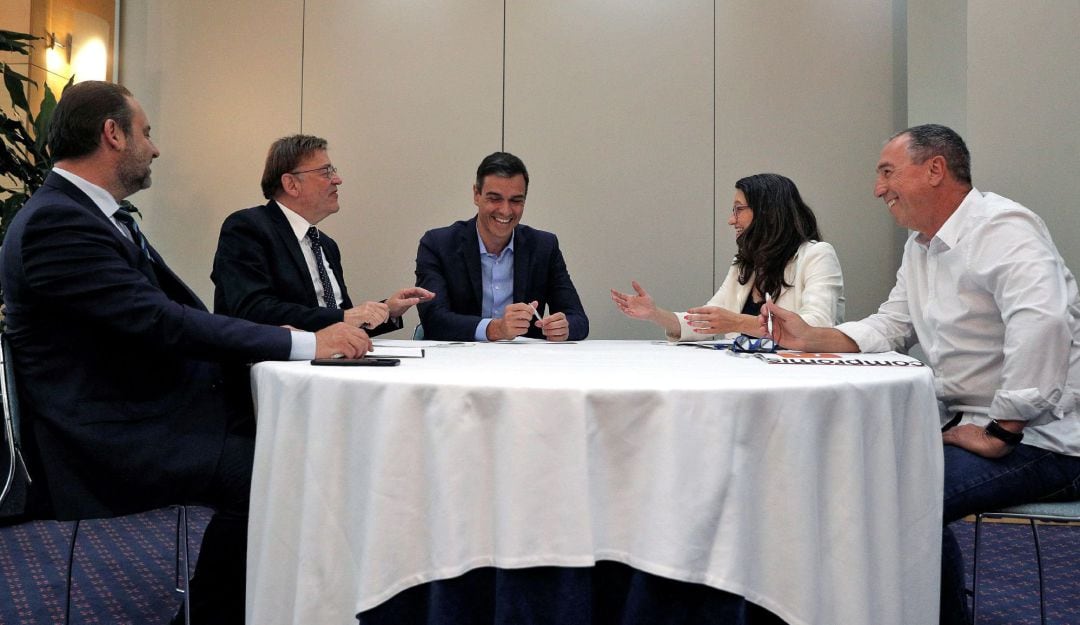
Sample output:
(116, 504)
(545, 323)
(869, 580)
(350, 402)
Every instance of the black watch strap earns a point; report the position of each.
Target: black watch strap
(1009, 438)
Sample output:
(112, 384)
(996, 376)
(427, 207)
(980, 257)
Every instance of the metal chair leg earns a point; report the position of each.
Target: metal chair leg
(975, 572)
(1038, 561)
(71, 564)
(183, 553)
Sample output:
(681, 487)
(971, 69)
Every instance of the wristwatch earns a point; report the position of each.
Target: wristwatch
(1009, 438)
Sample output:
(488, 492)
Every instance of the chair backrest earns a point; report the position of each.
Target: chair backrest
(9, 397)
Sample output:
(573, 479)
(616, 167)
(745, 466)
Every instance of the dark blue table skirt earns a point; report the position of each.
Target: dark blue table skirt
(611, 593)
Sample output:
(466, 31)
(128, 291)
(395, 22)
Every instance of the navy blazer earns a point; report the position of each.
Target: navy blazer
(260, 273)
(448, 264)
(119, 365)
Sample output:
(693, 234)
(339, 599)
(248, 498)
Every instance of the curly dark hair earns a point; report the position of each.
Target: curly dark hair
(782, 222)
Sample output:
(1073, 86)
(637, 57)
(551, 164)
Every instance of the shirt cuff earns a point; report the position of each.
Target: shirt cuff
(868, 340)
(303, 346)
(481, 330)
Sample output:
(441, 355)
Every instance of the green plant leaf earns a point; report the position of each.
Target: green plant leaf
(16, 87)
(44, 118)
(15, 42)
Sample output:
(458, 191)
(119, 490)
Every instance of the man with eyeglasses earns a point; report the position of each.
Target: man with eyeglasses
(273, 265)
(493, 275)
(984, 291)
(125, 378)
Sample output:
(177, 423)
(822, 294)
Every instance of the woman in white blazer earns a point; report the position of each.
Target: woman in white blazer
(780, 253)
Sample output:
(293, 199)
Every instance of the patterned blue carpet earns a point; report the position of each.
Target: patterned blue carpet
(124, 571)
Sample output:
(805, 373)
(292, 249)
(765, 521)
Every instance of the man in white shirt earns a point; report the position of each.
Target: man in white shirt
(984, 291)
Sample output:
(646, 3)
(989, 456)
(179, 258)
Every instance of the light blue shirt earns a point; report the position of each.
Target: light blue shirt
(497, 275)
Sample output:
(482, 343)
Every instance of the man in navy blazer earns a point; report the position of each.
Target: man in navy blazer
(266, 268)
(494, 275)
(123, 374)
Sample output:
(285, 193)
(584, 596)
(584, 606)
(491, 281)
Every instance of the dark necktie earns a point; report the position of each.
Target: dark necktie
(324, 278)
(123, 215)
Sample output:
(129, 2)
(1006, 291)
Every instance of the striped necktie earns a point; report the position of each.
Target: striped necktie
(123, 215)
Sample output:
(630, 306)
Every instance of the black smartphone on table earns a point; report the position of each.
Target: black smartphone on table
(357, 362)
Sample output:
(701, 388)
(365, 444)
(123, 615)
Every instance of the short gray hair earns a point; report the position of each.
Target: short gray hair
(930, 140)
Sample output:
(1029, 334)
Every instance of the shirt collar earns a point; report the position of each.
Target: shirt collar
(950, 232)
(101, 198)
(298, 224)
(483, 248)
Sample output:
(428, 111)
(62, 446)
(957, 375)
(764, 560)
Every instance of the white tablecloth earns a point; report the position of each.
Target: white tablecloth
(813, 491)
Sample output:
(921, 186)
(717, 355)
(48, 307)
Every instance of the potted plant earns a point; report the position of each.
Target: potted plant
(24, 161)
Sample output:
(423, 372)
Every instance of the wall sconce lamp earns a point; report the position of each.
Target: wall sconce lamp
(63, 43)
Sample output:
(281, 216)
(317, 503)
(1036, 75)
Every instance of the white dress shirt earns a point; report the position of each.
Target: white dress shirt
(101, 198)
(996, 310)
(300, 227)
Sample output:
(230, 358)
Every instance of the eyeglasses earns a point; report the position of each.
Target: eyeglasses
(738, 207)
(746, 344)
(327, 171)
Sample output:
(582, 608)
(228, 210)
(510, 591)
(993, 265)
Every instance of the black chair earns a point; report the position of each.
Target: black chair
(10, 400)
(11, 433)
(1061, 512)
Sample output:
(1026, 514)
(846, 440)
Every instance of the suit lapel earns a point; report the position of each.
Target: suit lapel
(469, 253)
(157, 272)
(286, 240)
(742, 293)
(171, 283)
(522, 262)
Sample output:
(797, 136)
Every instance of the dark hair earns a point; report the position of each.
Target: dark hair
(930, 140)
(284, 155)
(503, 165)
(782, 222)
(81, 114)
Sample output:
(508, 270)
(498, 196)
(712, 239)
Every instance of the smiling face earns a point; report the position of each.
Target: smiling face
(500, 204)
(742, 215)
(903, 184)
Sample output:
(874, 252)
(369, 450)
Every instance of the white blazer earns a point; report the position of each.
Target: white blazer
(816, 292)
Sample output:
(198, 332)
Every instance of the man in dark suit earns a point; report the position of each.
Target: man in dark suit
(274, 266)
(121, 369)
(494, 275)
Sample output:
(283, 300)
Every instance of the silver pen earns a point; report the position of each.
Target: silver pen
(768, 316)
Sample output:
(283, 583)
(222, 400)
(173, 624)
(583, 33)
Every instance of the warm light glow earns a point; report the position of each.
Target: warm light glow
(56, 61)
(90, 60)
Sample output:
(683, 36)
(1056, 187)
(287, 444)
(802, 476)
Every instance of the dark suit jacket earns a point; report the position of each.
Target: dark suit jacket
(260, 274)
(448, 264)
(119, 365)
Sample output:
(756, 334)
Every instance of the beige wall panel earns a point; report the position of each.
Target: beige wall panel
(219, 81)
(408, 94)
(937, 63)
(1023, 105)
(609, 103)
(806, 90)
